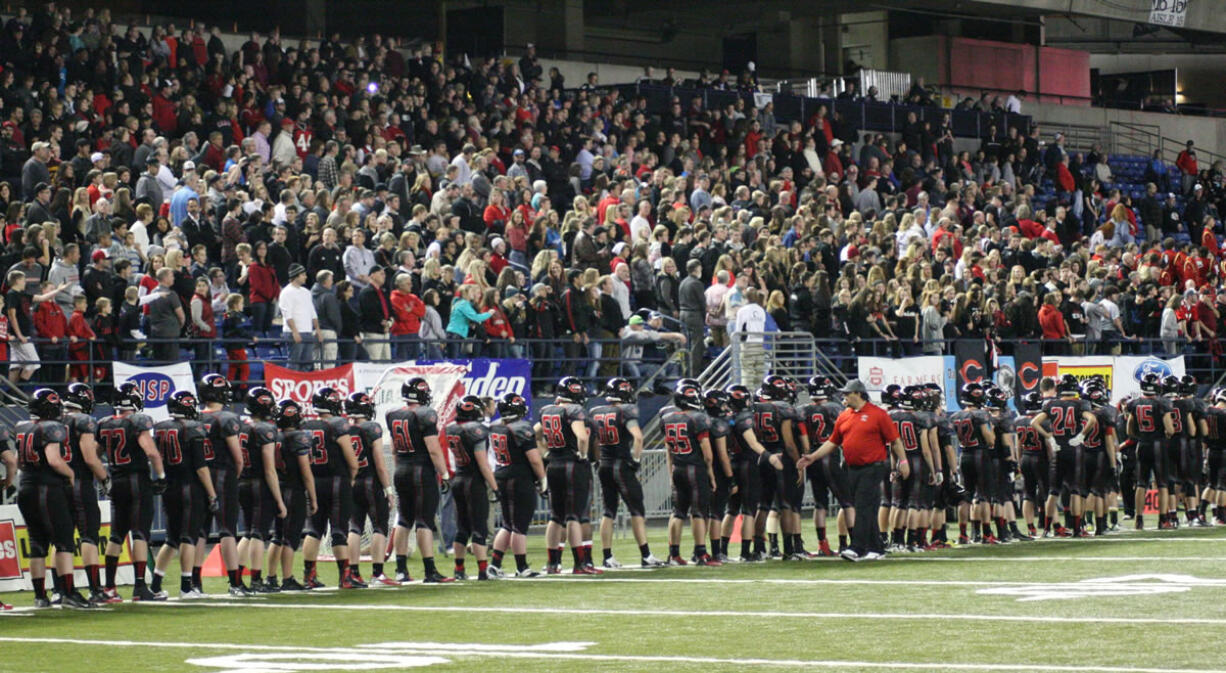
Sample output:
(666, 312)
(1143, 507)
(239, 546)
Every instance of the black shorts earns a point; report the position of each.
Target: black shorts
(828, 480)
(748, 486)
(186, 507)
(472, 508)
(978, 476)
(790, 488)
(914, 491)
(131, 506)
(1035, 475)
(585, 478)
(1217, 468)
(1172, 456)
(86, 515)
(287, 531)
(1151, 463)
(1191, 465)
(335, 495)
(258, 507)
(417, 492)
(619, 479)
(47, 510)
(569, 489)
(1096, 475)
(518, 499)
(225, 484)
(771, 498)
(369, 502)
(1066, 472)
(944, 495)
(720, 494)
(691, 491)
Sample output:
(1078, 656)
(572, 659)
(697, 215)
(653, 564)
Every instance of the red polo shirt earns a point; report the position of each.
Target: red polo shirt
(864, 434)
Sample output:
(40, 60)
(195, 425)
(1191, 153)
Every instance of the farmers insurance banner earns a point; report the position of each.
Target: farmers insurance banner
(15, 551)
(877, 373)
(156, 384)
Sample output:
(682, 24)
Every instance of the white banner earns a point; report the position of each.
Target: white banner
(877, 373)
(15, 551)
(1130, 368)
(156, 384)
(1170, 13)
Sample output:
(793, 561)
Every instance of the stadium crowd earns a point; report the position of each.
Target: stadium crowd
(354, 200)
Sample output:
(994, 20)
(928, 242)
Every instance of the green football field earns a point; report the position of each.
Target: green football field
(1134, 601)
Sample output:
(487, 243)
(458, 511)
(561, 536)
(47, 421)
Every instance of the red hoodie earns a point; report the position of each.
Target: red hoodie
(1051, 320)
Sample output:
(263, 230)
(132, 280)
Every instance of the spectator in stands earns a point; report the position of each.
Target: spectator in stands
(166, 318)
(375, 309)
(328, 310)
(299, 320)
(692, 309)
(1188, 168)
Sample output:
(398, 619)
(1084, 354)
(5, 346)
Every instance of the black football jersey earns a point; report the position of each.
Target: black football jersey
(363, 437)
(1185, 416)
(33, 438)
(768, 419)
(409, 428)
(1215, 418)
(908, 428)
(613, 431)
(945, 431)
(219, 427)
(291, 445)
(181, 443)
(1065, 415)
(118, 436)
(1147, 414)
(510, 444)
(560, 439)
(253, 438)
(683, 434)
(1028, 438)
(740, 423)
(1003, 424)
(967, 426)
(79, 425)
(1096, 439)
(464, 440)
(326, 458)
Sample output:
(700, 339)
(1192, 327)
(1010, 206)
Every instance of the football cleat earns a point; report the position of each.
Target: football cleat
(5, 606)
(612, 563)
(962, 539)
(721, 557)
(1023, 537)
(553, 569)
(240, 591)
(143, 593)
(403, 578)
(527, 573)
(75, 601)
(988, 539)
(653, 562)
(1082, 533)
(436, 578)
(382, 580)
(291, 584)
(356, 578)
(873, 556)
(460, 576)
(849, 554)
(112, 596)
(1200, 522)
(40, 603)
(312, 582)
(192, 595)
(823, 549)
(677, 561)
(706, 560)
(97, 597)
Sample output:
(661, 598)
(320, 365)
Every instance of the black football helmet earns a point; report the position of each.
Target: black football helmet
(1032, 402)
(469, 409)
(79, 396)
(45, 404)
(415, 391)
(512, 406)
(327, 400)
(572, 390)
(215, 388)
(128, 397)
(793, 389)
(1170, 385)
(971, 394)
(739, 397)
(820, 387)
(1068, 385)
(1187, 385)
(618, 389)
(914, 397)
(261, 404)
(687, 396)
(1151, 384)
(360, 404)
(289, 414)
(775, 387)
(182, 404)
(997, 398)
(891, 396)
(1097, 395)
(715, 401)
(1220, 396)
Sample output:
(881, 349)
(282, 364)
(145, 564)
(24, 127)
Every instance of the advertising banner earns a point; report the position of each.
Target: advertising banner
(156, 384)
(877, 373)
(1028, 368)
(1170, 13)
(1130, 368)
(15, 551)
(299, 386)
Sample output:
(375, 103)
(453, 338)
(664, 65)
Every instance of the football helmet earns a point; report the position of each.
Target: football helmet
(79, 396)
(289, 414)
(469, 409)
(572, 390)
(360, 404)
(261, 404)
(45, 404)
(183, 404)
(415, 391)
(619, 390)
(215, 388)
(327, 400)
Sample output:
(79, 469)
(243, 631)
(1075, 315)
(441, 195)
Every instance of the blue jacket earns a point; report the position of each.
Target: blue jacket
(463, 316)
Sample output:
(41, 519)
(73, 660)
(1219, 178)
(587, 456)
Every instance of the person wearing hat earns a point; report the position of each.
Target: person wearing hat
(39, 210)
(148, 187)
(865, 432)
(299, 319)
(35, 172)
(518, 168)
(634, 336)
(375, 311)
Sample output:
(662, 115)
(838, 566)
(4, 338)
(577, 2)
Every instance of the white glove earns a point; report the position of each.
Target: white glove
(1051, 444)
(1077, 440)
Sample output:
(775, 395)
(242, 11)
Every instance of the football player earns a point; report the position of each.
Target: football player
(621, 445)
(1191, 454)
(911, 498)
(973, 427)
(373, 495)
(190, 495)
(297, 483)
(773, 427)
(1151, 422)
(8, 459)
(1004, 466)
(520, 475)
(563, 435)
(826, 477)
(940, 433)
(44, 497)
(1215, 446)
(259, 488)
(473, 484)
(1071, 420)
(687, 440)
(1035, 461)
(744, 451)
(223, 451)
(420, 469)
(334, 466)
(715, 405)
(88, 472)
(1098, 453)
(131, 453)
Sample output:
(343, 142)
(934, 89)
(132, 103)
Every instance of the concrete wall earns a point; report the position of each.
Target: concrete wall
(1206, 132)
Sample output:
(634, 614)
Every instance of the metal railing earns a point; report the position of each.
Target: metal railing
(1080, 137)
(1143, 139)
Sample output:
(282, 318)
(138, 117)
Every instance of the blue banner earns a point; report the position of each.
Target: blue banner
(495, 378)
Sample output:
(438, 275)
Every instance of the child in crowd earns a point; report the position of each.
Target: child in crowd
(80, 336)
(237, 337)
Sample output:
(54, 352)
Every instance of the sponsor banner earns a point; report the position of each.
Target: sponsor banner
(1169, 13)
(15, 551)
(446, 387)
(1028, 368)
(1005, 377)
(156, 384)
(299, 386)
(1130, 368)
(877, 373)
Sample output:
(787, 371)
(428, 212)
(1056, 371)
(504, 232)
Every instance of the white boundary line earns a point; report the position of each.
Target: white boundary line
(462, 650)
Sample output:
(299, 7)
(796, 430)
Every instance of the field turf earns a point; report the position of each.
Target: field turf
(1131, 602)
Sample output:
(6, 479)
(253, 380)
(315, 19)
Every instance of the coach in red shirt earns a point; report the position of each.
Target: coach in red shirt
(864, 430)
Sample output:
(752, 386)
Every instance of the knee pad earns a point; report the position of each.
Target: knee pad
(554, 518)
(478, 540)
(90, 539)
(339, 539)
(114, 538)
